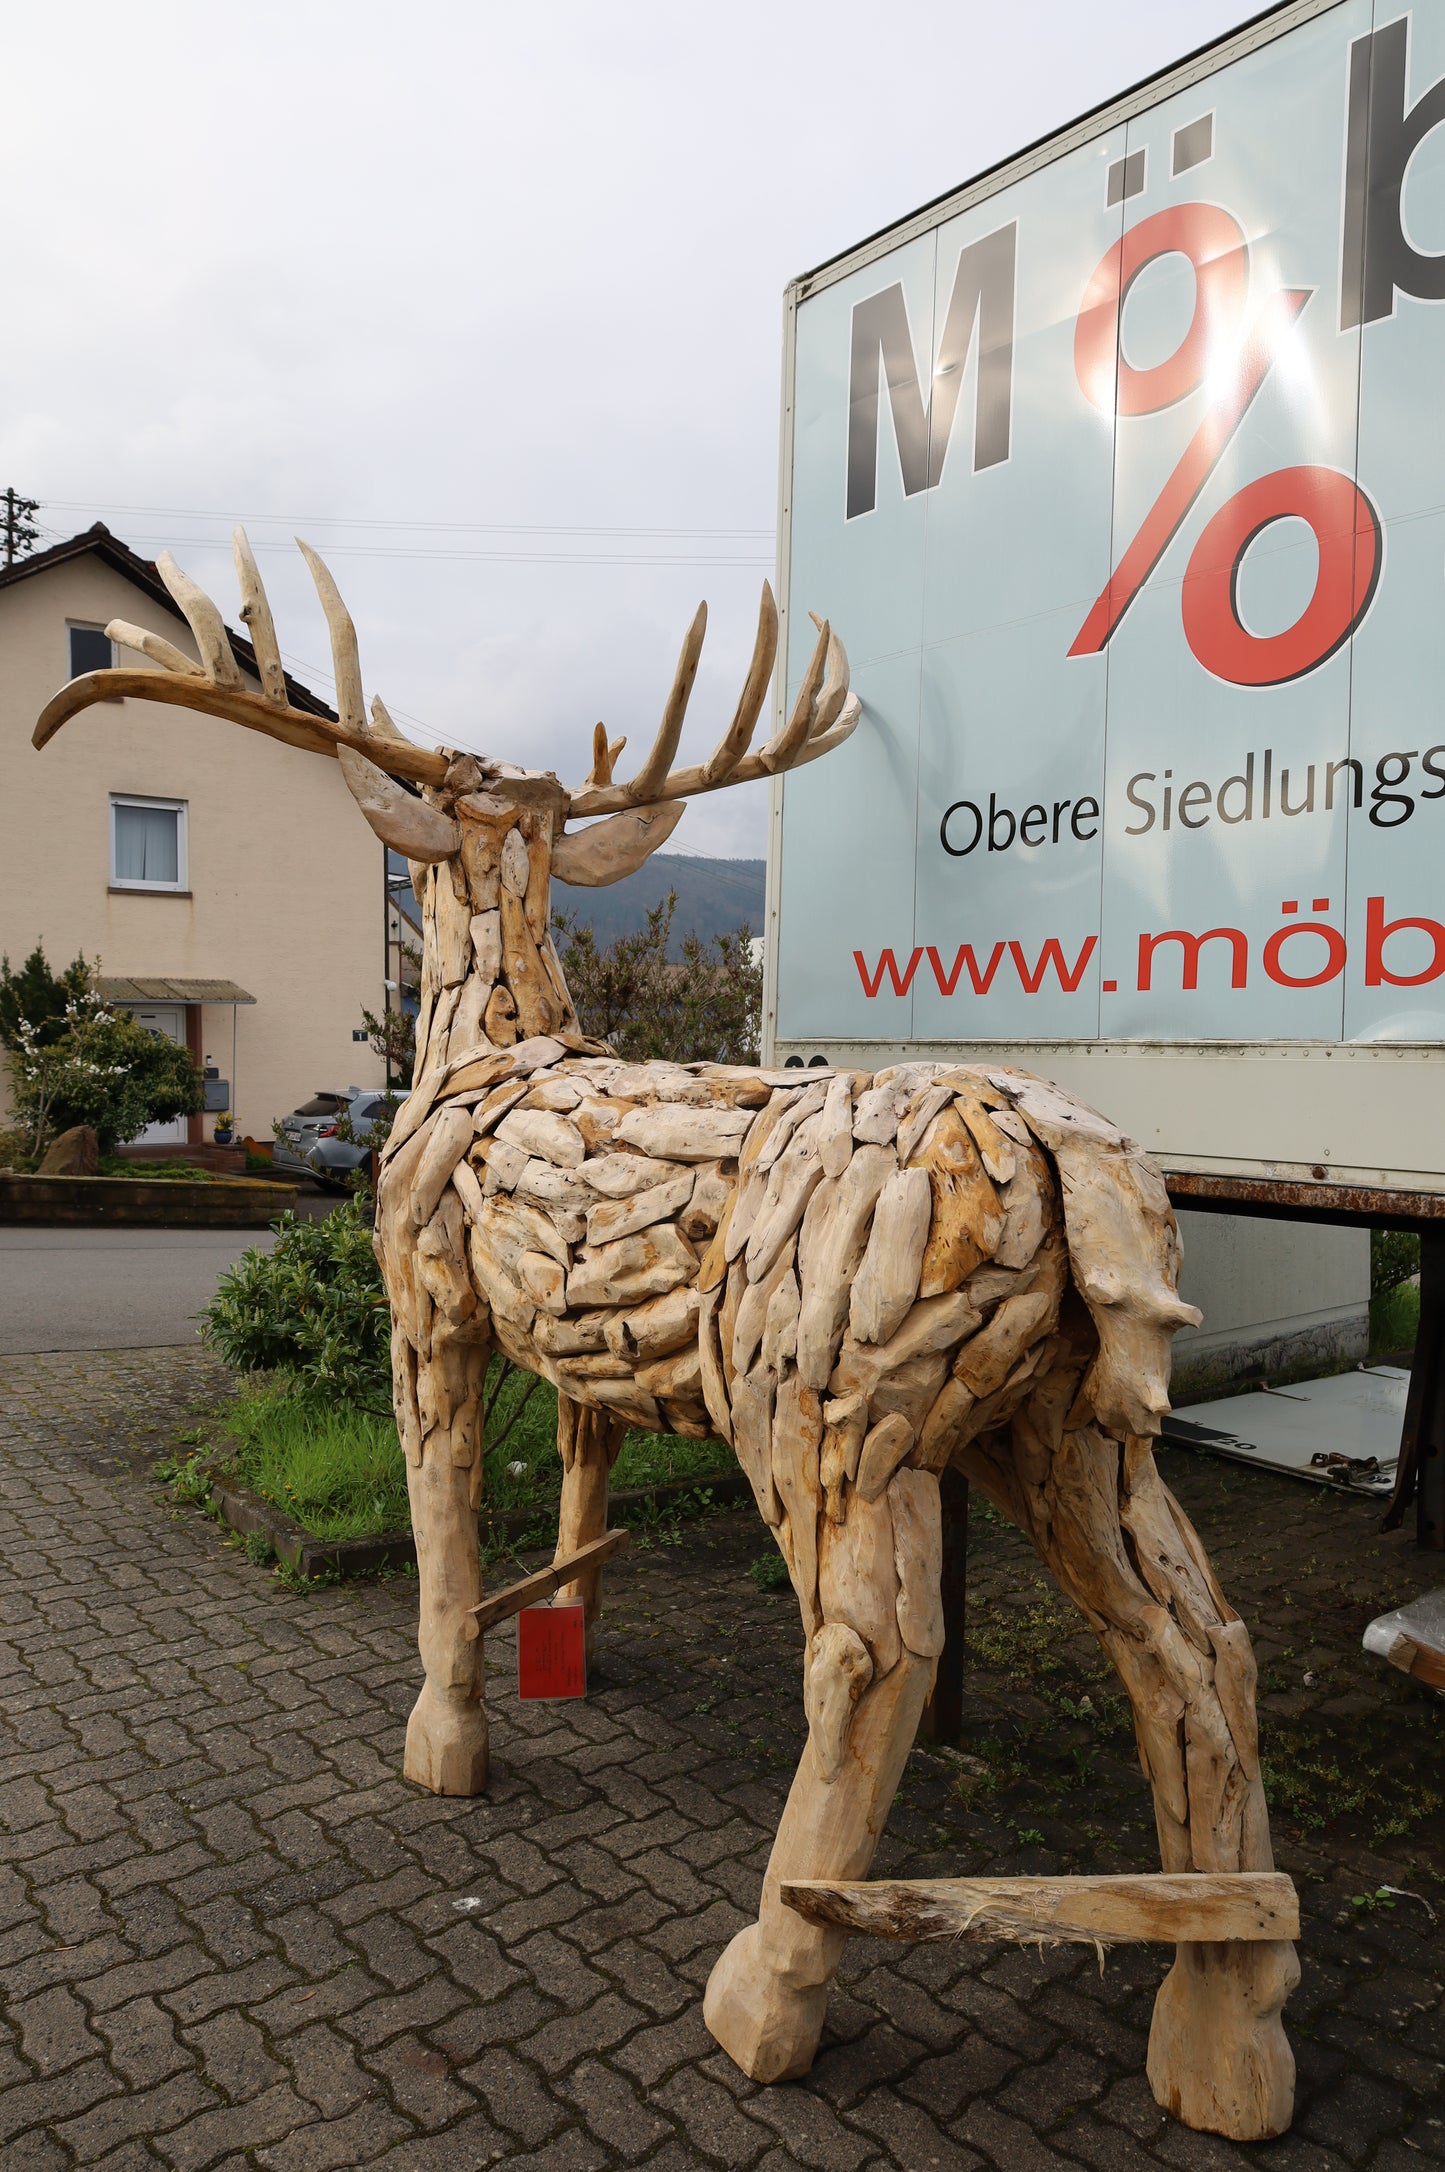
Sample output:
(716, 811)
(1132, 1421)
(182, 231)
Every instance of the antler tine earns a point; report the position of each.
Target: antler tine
(645, 785)
(256, 617)
(779, 753)
(735, 741)
(383, 724)
(204, 621)
(604, 755)
(155, 646)
(346, 660)
(823, 716)
(835, 686)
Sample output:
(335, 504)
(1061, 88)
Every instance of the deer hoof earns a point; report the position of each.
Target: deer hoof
(767, 2025)
(446, 1744)
(1219, 2059)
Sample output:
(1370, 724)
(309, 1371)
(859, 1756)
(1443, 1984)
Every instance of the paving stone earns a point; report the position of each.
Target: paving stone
(613, 2109)
(335, 2144)
(144, 2044)
(233, 2056)
(910, 2138)
(227, 1936)
(238, 2127)
(324, 2069)
(60, 2096)
(515, 2097)
(139, 2115)
(54, 2030)
(811, 2130)
(709, 2117)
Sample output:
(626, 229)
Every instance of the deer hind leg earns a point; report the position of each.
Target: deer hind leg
(588, 1442)
(439, 1414)
(1125, 1552)
(872, 1650)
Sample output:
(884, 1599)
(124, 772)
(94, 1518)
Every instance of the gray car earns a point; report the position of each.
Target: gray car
(302, 1130)
(368, 1119)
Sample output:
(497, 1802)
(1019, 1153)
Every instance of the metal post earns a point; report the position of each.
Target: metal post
(1420, 1476)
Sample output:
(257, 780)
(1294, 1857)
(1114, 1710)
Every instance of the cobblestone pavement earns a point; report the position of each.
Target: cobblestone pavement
(231, 1935)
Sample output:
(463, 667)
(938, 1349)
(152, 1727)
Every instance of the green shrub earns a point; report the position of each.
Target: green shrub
(313, 1308)
(770, 1571)
(704, 1007)
(37, 998)
(1394, 1258)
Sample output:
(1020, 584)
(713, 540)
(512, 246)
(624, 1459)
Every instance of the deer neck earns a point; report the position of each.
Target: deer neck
(490, 973)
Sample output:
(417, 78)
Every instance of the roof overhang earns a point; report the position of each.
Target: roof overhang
(168, 988)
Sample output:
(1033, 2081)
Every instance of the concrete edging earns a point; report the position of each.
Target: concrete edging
(151, 1202)
(307, 1555)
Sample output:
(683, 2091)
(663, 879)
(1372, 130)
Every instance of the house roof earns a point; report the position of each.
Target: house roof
(167, 988)
(98, 542)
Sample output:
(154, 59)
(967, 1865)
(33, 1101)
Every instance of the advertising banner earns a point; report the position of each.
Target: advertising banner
(1122, 477)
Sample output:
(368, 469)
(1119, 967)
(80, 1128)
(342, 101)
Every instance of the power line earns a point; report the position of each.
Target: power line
(431, 527)
(465, 557)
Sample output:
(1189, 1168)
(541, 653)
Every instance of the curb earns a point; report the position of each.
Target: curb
(308, 1555)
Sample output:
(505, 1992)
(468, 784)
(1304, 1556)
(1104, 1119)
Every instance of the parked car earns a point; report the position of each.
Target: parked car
(366, 1121)
(299, 1132)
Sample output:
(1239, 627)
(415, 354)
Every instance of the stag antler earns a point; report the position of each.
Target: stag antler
(824, 715)
(215, 685)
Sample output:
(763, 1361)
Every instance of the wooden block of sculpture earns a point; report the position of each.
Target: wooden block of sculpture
(857, 1282)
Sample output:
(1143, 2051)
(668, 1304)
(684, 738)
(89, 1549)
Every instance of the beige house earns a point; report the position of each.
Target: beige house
(228, 885)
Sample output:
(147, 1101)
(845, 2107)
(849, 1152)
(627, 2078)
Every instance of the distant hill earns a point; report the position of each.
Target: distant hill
(714, 897)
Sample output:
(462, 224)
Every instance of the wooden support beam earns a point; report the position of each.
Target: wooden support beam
(543, 1582)
(1194, 1907)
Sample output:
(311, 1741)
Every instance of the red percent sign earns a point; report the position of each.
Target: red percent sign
(1344, 523)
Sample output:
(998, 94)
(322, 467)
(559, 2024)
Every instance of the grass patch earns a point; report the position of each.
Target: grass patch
(1394, 1319)
(339, 1472)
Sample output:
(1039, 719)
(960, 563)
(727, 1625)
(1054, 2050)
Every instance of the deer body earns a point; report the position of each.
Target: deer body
(854, 1280)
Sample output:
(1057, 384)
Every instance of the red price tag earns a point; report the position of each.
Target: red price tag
(552, 1650)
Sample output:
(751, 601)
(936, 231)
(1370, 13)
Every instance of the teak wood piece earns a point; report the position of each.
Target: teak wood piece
(529, 1590)
(1198, 1906)
(875, 1288)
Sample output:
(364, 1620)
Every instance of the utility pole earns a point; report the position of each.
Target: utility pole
(21, 533)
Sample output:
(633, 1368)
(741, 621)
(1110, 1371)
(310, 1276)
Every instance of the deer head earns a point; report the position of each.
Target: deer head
(502, 829)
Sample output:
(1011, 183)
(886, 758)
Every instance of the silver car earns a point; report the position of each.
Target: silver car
(300, 1132)
(368, 1120)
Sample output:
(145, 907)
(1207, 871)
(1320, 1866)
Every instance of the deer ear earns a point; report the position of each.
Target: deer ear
(606, 851)
(409, 825)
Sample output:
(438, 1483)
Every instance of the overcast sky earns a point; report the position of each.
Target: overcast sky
(485, 301)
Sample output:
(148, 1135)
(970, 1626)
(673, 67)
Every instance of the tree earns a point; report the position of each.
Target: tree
(101, 1069)
(393, 1036)
(39, 998)
(705, 1007)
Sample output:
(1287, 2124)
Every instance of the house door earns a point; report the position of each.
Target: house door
(167, 1020)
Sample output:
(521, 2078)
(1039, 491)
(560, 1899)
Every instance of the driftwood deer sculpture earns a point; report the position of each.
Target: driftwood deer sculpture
(855, 1281)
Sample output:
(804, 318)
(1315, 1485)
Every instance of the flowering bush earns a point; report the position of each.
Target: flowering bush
(100, 1069)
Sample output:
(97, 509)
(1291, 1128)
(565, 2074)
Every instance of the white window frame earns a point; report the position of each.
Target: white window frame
(83, 625)
(142, 799)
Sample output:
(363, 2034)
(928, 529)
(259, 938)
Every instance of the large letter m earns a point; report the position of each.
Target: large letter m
(983, 296)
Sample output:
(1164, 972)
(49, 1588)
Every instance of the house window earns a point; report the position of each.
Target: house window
(147, 843)
(91, 649)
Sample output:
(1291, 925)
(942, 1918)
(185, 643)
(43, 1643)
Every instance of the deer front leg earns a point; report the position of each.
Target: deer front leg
(588, 1442)
(440, 1415)
(1125, 1552)
(868, 1673)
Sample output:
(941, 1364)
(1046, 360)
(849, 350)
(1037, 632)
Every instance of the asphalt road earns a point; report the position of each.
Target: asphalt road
(110, 1289)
